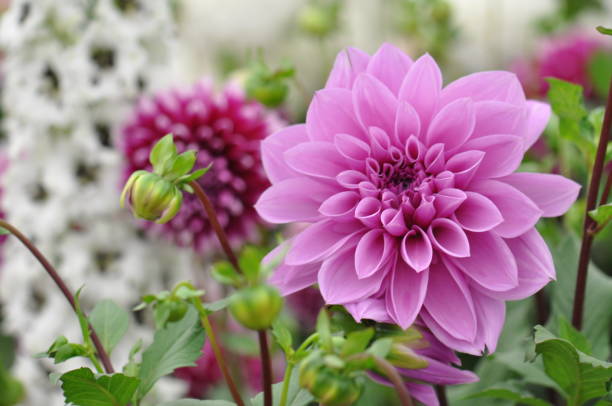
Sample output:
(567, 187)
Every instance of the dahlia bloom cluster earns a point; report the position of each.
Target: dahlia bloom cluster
(226, 130)
(564, 57)
(415, 211)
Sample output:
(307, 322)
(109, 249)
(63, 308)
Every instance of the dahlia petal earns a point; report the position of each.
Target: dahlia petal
(290, 279)
(448, 200)
(453, 124)
(464, 166)
(407, 123)
(553, 194)
(273, 148)
(416, 249)
(340, 205)
(318, 159)
(434, 158)
(380, 143)
(406, 293)
(449, 302)
(330, 113)
(414, 149)
(537, 118)
(444, 180)
(449, 238)
(491, 265)
(374, 103)
(477, 213)
(495, 117)
(349, 63)
(389, 65)
(370, 309)
(519, 212)
(351, 147)
(503, 154)
(425, 212)
(491, 314)
(393, 221)
(373, 251)
(439, 373)
(474, 347)
(492, 85)
(421, 88)
(294, 199)
(339, 283)
(318, 241)
(534, 263)
(368, 211)
(351, 179)
(425, 394)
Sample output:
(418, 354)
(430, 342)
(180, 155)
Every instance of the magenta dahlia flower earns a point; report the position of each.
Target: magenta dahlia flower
(410, 190)
(225, 130)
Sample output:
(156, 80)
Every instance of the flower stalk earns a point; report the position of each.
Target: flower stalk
(104, 358)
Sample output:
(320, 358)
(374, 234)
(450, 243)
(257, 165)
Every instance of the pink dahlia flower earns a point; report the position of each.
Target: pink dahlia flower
(410, 190)
(226, 130)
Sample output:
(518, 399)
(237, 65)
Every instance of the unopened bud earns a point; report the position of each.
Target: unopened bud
(152, 197)
(318, 20)
(256, 307)
(269, 92)
(327, 385)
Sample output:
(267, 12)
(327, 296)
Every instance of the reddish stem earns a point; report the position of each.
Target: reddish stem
(266, 366)
(441, 393)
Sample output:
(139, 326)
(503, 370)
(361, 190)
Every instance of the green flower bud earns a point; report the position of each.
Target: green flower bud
(268, 92)
(178, 308)
(319, 20)
(441, 12)
(327, 385)
(256, 307)
(152, 197)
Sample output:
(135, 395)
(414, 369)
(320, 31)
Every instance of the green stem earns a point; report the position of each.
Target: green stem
(311, 339)
(217, 351)
(286, 381)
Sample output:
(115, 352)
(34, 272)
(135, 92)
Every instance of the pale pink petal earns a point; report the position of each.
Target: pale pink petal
(503, 154)
(423, 393)
(537, 118)
(407, 123)
(351, 179)
(416, 249)
(349, 63)
(491, 314)
(373, 251)
(519, 212)
(495, 117)
(369, 309)
(491, 265)
(415, 150)
(553, 194)
(421, 88)
(406, 294)
(439, 373)
(448, 200)
(368, 211)
(474, 347)
(340, 205)
(330, 113)
(493, 85)
(449, 238)
(393, 221)
(374, 103)
(389, 65)
(434, 159)
(290, 279)
(273, 148)
(351, 147)
(449, 302)
(339, 283)
(464, 166)
(453, 125)
(477, 213)
(425, 212)
(294, 199)
(319, 159)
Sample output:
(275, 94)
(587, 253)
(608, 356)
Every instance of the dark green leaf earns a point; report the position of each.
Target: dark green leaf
(82, 388)
(177, 345)
(110, 322)
(357, 341)
(604, 30)
(196, 402)
(569, 333)
(12, 392)
(501, 393)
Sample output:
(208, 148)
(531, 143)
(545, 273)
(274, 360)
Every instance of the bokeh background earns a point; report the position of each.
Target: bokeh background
(88, 85)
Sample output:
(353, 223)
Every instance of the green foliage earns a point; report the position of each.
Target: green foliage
(268, 86)
(604, 30)
(600, 68)
(162, 151)
(110, 322)
(224, 273)
(569, 333)
(567, 103)
(169, 306)
(602, 215)
(324, 330)
(510, 394)
(82, 388)
(11, 390)
(580, 376)
(177, 345)
(283, 337)
(319, 18)
(62, 350)
(4, 231)
(357, 341)
(256, 307)
(296, 396)
(196, 402)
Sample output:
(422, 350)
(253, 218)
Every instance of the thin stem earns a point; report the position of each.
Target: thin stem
(212, 338)
(286, 381)
(266, 366)
(391, 373)
(587, 237)
(108, 366)
(214, 221)
(441, 393)
(542, 310)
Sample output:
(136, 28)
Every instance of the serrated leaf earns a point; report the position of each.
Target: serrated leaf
(603, 214)
(163, 150)
(283, 337)
(296, 396)
(566, 99)
(502, 393)
(197, 402)
(580, 376)
(110, 322)
(357, 341)
(177, 345)
(82, 388)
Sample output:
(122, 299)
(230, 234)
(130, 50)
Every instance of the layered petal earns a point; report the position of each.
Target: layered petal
(330, 113)
(406, 294)
(493, 85)
(374, 103)
(453, 125)
(318, 159)
(273, 148)
(349, 63)
(389, 65)
(421, 88)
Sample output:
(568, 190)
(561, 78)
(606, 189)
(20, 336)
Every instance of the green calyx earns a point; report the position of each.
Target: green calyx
(158, 195)
(327, 384)
(256, 307)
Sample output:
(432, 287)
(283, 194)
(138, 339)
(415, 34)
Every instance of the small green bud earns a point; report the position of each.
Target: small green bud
(178, 308)
(327, 385)
(270, 93)
(152, 197)
(319, 19)
(256, 307)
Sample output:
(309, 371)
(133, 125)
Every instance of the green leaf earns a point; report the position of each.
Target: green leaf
(4, 231)
(110, 322)
(217, 305)
(283, 337)
(580, 376)
(182, 164)
(177, 345)
(603, 214)
(567, 103)
(186, 293)
(224, 273)
(250, 261)
(11, 390)
(194, 175)
(82, 388)
(357, 341)
(604, 30)
(296, 396)
(599, 67)
(196, 402)
(381, 347)
(502, 393)
(163, 150)
(569, 333)
(324, 330)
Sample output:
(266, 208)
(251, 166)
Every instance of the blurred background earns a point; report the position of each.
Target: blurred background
(88, 86)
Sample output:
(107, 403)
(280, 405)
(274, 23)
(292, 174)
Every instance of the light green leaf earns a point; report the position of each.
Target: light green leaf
(502, 393)
(110, 322)
(283, 337)
(357, 341)
(224, 273)
(580, 376)
(194, 175)
(82, 388)
(177, 345)
(296, 396)
(567, 103)
(599, 67)
(163, 150)
(604, 30)
(249, 261)
(603, 214)
(4, 231)
(569, 333)
(217, 305)
(381, 347)
(324, 330)
(196, 402)
(182, 164)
